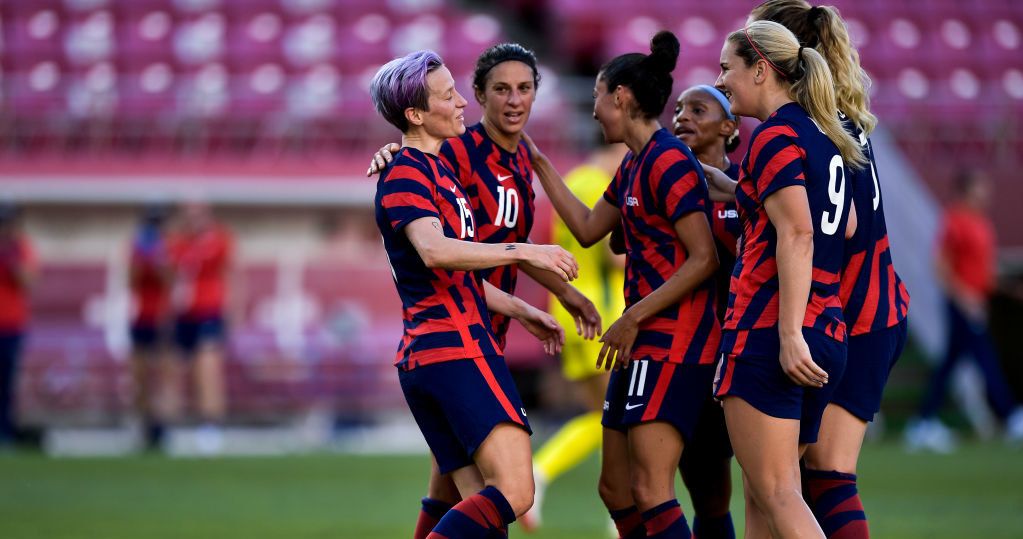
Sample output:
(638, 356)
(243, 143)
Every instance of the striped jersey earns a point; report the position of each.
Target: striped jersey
(443, 311)
(653, 190)
(500, 188)
(727, 228)
(873, 295)
(789, 150)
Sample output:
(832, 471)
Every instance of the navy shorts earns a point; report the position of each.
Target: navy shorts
(710, 437)
(658, 391)
(146, 336)
(871, 358)
(753, 373)
(189, 333)
(457, 403)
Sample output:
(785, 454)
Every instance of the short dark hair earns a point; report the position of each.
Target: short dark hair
(498, 54)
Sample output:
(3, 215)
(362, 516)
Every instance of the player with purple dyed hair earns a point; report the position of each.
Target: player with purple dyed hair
(450, 365)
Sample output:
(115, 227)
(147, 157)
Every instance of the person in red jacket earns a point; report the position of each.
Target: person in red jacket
(202, 253)
(965, 267)
(17, 272)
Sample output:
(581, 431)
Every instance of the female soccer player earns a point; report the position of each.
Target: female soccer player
(703, 121)
(784, 335)
(874, 299)
(493, 165)
(450, 366)
(664, 342)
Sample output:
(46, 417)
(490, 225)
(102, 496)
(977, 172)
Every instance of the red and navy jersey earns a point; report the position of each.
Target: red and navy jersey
(873, 295)
(500, 188)
(727, 228)
(653, 190)
(444, 311)
(789, 150)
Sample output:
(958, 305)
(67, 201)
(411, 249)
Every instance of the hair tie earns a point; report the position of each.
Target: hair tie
(716, 94)
(762, 57)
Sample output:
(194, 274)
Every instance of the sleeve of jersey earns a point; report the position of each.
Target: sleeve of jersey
(777, 160)
(677, 185)
(611, 193)
(407, 196)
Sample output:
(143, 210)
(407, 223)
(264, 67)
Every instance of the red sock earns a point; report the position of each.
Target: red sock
(429, 515)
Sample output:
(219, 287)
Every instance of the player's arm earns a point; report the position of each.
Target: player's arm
(962, 295)
(693, 231)
(720, 186)
(850, 227)
(441, 252)
(789, 211)
(383, 156)
(587, 225)
(540, 324)
(583, 311)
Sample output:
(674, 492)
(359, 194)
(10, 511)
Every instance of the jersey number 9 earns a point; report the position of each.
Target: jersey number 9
(836, 193)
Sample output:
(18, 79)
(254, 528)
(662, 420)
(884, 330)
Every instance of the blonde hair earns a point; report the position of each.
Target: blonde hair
(822, 28)
(805, 72)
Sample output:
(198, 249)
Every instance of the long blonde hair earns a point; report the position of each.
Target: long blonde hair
(822, 28)
(805, 72)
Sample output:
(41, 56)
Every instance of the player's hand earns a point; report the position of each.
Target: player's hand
(551, 258)
(721, 188)
(797, 364)
(583, 311)
(618, 341)
(381, 158)
(543, 326)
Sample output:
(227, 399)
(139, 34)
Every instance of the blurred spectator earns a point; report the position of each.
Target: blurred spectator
(17, 272)
(202, 252)
(965, 266)
(150, 278)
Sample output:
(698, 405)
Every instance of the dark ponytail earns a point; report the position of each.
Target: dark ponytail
(647, 75)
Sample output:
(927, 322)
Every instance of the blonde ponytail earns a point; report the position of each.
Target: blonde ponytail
(822, 28)
(806, 73)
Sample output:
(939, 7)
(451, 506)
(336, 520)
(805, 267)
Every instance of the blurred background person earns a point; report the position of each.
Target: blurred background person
(965, 268)
(203, 291)
(602, 282)
(17, 273)
(149, 276)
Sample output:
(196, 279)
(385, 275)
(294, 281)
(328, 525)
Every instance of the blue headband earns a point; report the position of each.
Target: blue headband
(716, 94)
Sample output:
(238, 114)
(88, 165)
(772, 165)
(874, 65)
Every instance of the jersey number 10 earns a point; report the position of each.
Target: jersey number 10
(507, 207)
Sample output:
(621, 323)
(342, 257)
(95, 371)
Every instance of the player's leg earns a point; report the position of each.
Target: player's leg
(706, 469)
(767, 448)
(830, 474)
(615, 485)
(655, 448)
(9, 351)
(504, 462)
(441, 495)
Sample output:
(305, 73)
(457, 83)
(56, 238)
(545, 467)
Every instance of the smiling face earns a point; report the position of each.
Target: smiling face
(444, 117)
(700, 121)
(508, 96)
(607, 112)
(737, 82)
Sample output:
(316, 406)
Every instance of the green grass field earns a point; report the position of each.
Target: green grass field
(977, 492)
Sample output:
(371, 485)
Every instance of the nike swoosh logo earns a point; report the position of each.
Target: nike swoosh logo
(501, 178)
(632, 407)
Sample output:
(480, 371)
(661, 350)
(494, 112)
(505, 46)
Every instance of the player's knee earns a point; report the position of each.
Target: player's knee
(769, 493)
(519, 496)
(614, 494)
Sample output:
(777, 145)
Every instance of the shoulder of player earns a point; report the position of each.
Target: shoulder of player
(408, 163)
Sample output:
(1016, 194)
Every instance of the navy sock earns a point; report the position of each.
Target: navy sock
(719, 527)
(836, 504)
(666, 521)
(429, 515)
(476, 517)
(629, 522)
